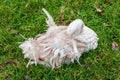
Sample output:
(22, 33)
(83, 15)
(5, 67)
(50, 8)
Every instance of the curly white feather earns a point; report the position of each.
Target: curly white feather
(62, 44)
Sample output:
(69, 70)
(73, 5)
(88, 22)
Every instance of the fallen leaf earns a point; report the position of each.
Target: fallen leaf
(8, 28)
(106, 24)
(68, 1)
(102, 12)
(115, 46)
(100, 6)
(8, 77)
(114, 36)
(108, 1)
(11, 62)
(14, 31)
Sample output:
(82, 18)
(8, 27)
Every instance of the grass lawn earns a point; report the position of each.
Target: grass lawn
(27, 18)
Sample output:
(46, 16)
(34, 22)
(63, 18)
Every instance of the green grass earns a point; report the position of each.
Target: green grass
(26, 17)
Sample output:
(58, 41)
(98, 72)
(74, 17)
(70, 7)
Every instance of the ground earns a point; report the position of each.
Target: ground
(25, 17)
